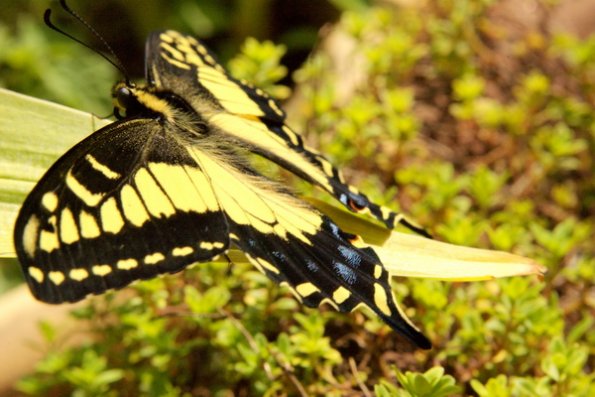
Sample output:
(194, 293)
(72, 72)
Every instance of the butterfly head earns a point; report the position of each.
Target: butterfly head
(131, 100)
(125, 99)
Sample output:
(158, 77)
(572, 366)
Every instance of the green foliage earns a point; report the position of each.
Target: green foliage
(42, 65)
(489, 141)
(432, 383)
(259, 63)
(90, 377)
(561, 363)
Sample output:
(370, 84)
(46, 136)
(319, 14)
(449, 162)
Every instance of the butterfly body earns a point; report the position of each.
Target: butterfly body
(166, 186)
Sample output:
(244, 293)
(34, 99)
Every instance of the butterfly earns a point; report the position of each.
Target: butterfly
(168, 185)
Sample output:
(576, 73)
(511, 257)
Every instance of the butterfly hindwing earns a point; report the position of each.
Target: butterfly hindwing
(295, 244)
(251, 116)
(126, 203)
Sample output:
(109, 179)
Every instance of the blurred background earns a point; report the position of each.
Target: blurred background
(224, 25)
(474, 117)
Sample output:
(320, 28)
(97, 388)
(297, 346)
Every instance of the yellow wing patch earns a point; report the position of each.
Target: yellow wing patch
(247, 201)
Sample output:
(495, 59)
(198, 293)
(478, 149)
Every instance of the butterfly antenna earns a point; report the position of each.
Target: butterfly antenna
(117, 63)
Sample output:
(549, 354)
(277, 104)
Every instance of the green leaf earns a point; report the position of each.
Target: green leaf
(432, 383)
(33, 134)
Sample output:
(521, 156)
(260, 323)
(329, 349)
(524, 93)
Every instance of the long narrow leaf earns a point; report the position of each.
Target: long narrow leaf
(34, 133)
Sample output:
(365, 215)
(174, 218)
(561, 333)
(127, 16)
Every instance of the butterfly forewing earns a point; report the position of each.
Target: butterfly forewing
(127, 203)
(251, 116)
(293, 243)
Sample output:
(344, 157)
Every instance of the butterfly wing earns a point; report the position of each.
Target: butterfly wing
(181, 63)
(295, 244)
(126, 203)
(149, 195)
(283, 237)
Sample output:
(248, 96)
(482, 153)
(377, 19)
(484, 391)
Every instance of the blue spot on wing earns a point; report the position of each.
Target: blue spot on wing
(352, 257)
(335, 230)
(312, 266)
(343, 198)
(345, 272)
(279, 255)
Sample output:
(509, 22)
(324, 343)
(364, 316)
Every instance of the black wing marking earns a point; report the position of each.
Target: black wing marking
(126, 203)
(295, 244)
(251, 116)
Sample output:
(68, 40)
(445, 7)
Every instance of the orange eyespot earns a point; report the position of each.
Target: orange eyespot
(356, 240)
(355, 206)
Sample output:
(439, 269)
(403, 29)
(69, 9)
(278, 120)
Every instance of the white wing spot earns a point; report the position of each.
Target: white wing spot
(48, 241)
(69, 232)
(341, 294)
(182, 251)
(50, 201)
(154, 258)
(36, 273)
(377, 271)
(111, 217)
(78, 274)
(101, 270)
(30, 234)
(380, 299)
(127, 264)
(306, 289)
(89, 226)
(56, 277)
